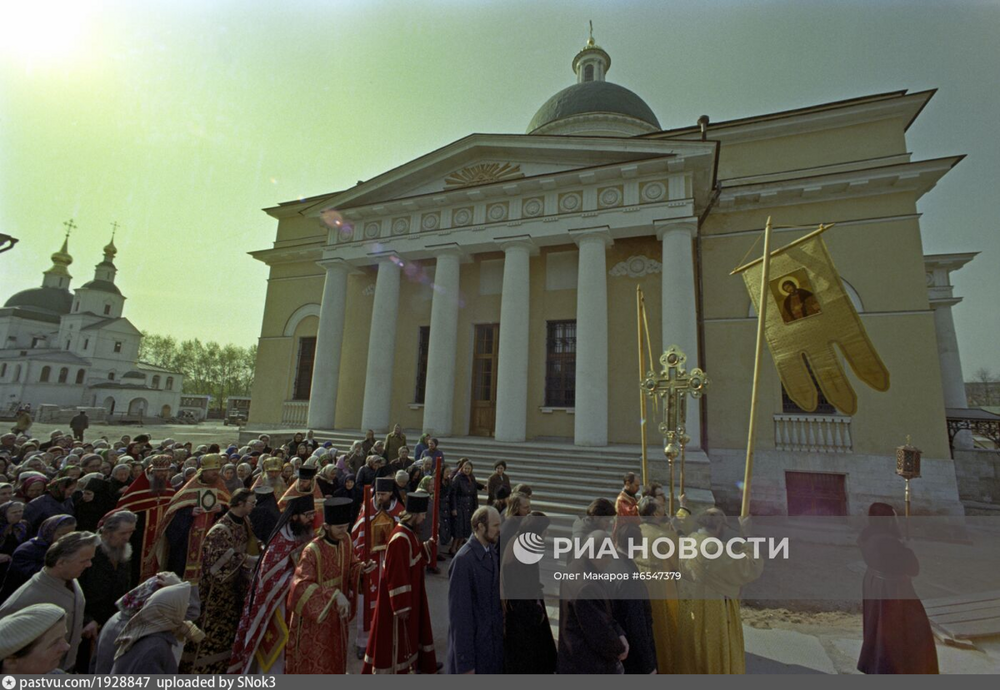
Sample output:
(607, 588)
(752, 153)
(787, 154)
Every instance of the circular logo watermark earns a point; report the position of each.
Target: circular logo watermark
(529, 548)
(9, 682)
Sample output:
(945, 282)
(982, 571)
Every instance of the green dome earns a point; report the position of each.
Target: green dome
(593, 97)
(47, 300)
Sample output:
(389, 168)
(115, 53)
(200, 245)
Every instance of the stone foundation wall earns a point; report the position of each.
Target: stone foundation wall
(868, 478)
(978, 475)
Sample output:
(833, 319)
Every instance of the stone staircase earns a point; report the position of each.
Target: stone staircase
(564, 478)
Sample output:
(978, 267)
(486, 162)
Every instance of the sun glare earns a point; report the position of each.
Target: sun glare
(40, 32)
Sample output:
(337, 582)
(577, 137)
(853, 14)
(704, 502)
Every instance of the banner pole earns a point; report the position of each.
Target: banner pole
(758, 357)
(642, 393)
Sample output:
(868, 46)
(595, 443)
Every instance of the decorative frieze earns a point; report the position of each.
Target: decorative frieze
(635, 267)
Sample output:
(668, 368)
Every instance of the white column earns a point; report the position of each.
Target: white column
(679, 315)
(329, 339)
(441, 349)
(591, 414)
(382, 347)
(952, 380)
(512, 365)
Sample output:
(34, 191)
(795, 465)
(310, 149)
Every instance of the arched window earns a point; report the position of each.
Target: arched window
(111, 376)
(79, 376)
(107, 308)
(156, 382)
(17, 374)
(588, 73)
(46, 372)
(63, 374)
(170, 383)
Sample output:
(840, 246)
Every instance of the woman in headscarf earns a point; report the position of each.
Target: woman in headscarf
(33, 640)
(349, 489)
(147, 643)
(897, 633)
(418, 452)
(230, 479)
(31, 485)
(464, 501)
(121, 478)
(128, 606)
(13, 533)
(244, 472)
(92, 502)
(29, 557)
(287, 472)
(302, 451)
(327, 480)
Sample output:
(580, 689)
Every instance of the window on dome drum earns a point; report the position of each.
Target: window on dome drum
(76, 307)
(107, 308)
(560, 364)
(79, 376)
(46, 373)
(823, 406)
(118, 346)
(170, 383)
(63, 375)
(304, 368)
(588, 73)
(423, 343)
(86, 343)
(3, 369)
(35, 341)
(111, 376)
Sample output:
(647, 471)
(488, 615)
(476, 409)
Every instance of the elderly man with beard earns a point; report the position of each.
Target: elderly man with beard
(57, 500)
(148, 496)
(192, 512)
(263, 633)
(110, 575)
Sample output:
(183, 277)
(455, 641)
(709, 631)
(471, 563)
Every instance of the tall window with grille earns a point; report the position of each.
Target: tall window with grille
(423, 343)
(560, 364)
(304, 368)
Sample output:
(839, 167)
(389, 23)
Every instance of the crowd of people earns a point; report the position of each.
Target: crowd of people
(137, 556)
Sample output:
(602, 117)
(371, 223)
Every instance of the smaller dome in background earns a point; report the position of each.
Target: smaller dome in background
(46, 300)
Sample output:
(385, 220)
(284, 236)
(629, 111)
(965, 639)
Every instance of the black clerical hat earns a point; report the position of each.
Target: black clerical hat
(337, 511)
(306, 472)
(301, 504)
(416, 502)
(384, 484)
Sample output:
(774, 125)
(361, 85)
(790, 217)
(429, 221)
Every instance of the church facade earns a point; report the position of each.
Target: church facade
(75, 349)
(489, 288)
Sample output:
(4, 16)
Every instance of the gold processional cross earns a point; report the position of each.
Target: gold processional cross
(673, 385)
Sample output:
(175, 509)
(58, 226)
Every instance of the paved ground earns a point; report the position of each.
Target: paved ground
(206, 432)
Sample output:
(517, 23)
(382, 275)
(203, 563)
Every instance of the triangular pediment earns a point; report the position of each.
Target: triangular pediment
(489, 159)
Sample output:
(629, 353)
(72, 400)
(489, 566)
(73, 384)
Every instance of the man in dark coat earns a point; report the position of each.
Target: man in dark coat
(475, 633)
(897, 633)
(630, 605)
(527, 641)
(79, 424)
(590, 640)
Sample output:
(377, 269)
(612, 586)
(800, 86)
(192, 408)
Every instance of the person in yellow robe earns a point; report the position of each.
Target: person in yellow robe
(710, 629)
(324, 596)
(271, 476)
(662, 593)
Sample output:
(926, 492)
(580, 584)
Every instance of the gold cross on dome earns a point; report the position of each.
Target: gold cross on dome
(114, 228)
(70, 226)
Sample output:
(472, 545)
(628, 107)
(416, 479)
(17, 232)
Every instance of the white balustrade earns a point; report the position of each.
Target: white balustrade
(294, 413)
(812, 433)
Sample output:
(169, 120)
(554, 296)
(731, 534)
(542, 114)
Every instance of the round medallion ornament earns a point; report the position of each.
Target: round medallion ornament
(430, 221)
(497, 212)
(400, 226)
(533, 207)
(463, 216)
(654, 191)
(570, 202)
(610, 197)
(372, 230)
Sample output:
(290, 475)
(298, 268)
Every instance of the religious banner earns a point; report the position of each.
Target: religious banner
(808, 313)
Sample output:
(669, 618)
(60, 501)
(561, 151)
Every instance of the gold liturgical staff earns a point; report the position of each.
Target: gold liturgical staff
(908, 467)
(673, 385)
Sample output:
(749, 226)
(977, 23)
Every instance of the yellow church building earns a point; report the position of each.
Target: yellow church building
(488, 289)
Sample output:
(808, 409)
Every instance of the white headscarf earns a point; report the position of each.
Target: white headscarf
(165, 611)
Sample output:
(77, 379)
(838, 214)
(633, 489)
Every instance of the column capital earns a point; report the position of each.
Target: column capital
(685, 225)
(944, 302)
(449, 249)
(517, 241)
(335, 262)
(598, 234)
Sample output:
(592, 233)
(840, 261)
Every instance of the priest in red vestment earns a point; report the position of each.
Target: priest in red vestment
(379, 517)
(192, 512)
(263, 632)
(401, 639)
(305, 484)
(324, 596)
(148, 497)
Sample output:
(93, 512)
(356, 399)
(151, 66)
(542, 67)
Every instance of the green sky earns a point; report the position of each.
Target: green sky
(182, 119)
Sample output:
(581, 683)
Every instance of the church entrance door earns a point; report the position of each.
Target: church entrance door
(486, 344)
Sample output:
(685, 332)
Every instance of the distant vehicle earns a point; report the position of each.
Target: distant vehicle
(237, 411)
(236, 418)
